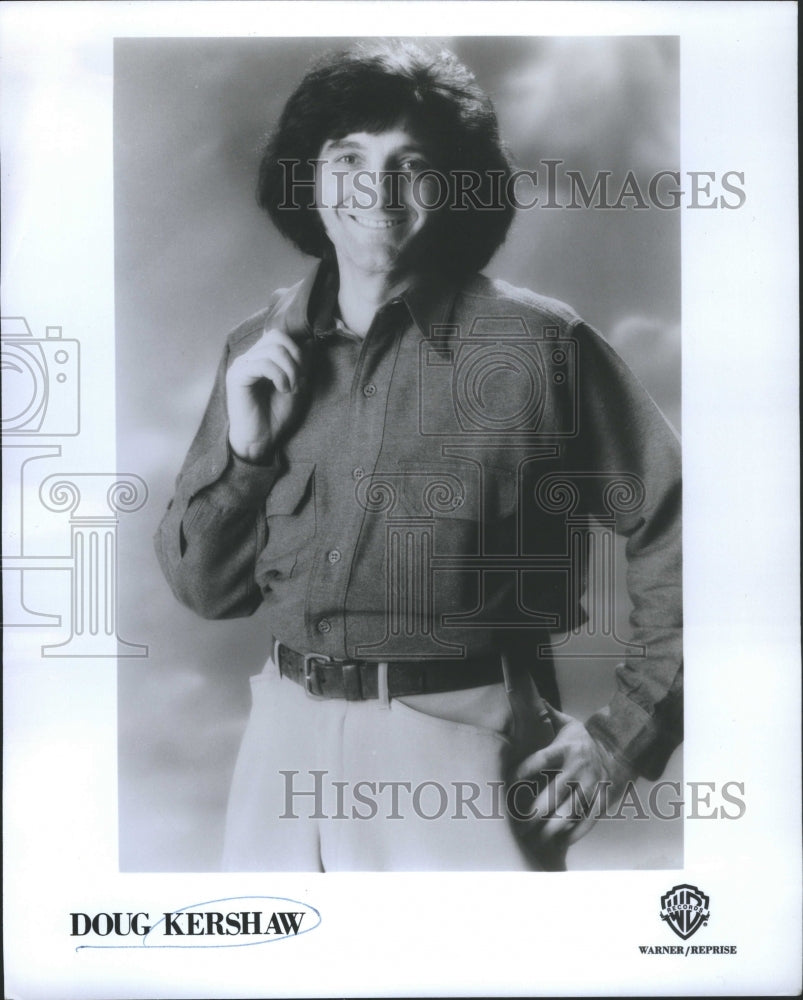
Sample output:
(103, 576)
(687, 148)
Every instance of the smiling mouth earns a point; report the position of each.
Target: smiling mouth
(378, 223)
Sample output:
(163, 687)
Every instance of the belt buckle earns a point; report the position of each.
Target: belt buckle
(309, 673)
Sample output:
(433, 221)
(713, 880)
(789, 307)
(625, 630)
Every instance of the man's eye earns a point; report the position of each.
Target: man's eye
(413, 163)
(348, 158)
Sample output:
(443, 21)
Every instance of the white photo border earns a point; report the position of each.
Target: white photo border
(434, 934)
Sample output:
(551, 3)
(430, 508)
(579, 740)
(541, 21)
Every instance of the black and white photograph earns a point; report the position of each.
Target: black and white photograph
(424, 533)
(399, 399)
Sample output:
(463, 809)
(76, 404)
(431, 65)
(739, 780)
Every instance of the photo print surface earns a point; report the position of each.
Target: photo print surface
(481, 411)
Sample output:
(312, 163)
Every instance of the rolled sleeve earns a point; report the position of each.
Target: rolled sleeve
(643, 722)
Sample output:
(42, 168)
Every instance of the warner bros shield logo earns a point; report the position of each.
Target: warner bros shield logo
(685, 909)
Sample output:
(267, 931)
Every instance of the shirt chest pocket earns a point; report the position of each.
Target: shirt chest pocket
(290, 514)
(463, 503)
(457, 491)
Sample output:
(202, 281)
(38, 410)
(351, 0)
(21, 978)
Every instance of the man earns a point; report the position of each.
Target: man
(417, 471)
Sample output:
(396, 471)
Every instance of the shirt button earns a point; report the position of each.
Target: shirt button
(333, 556)
(358, 473)
(369, 389)
(324, 625)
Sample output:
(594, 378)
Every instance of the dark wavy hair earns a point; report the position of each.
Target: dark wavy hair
(372, 87)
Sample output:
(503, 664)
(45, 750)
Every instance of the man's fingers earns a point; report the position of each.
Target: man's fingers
(580, 829)
(534, 800)
(569, 826)
(547, 759)
(273, 353)
(280, 372)
(280, 339)
(275, 349)
(558, 812)
(557, 826)
(271, 349)
(262, 361)
(553, 798)
(256, 419)
(559, 719)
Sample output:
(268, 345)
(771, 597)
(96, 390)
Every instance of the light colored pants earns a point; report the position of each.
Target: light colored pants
(416, 783)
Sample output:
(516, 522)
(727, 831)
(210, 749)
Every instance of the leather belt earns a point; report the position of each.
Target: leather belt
(359, 680)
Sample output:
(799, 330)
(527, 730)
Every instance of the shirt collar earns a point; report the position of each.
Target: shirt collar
(429, 302)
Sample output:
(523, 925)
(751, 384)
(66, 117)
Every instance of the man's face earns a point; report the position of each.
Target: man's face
(372, 205)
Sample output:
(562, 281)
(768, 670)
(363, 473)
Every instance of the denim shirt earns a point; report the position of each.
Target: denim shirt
(451, 487)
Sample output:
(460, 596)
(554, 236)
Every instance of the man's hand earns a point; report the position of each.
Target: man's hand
(262, 394)
(580, 761)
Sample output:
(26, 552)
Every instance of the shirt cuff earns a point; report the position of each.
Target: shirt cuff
(620, 771)
(632, 737)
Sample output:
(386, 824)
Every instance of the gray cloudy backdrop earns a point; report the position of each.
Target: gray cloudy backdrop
(194, 256)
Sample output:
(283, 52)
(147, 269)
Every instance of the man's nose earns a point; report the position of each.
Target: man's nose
(383, 187)
(390, 187)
